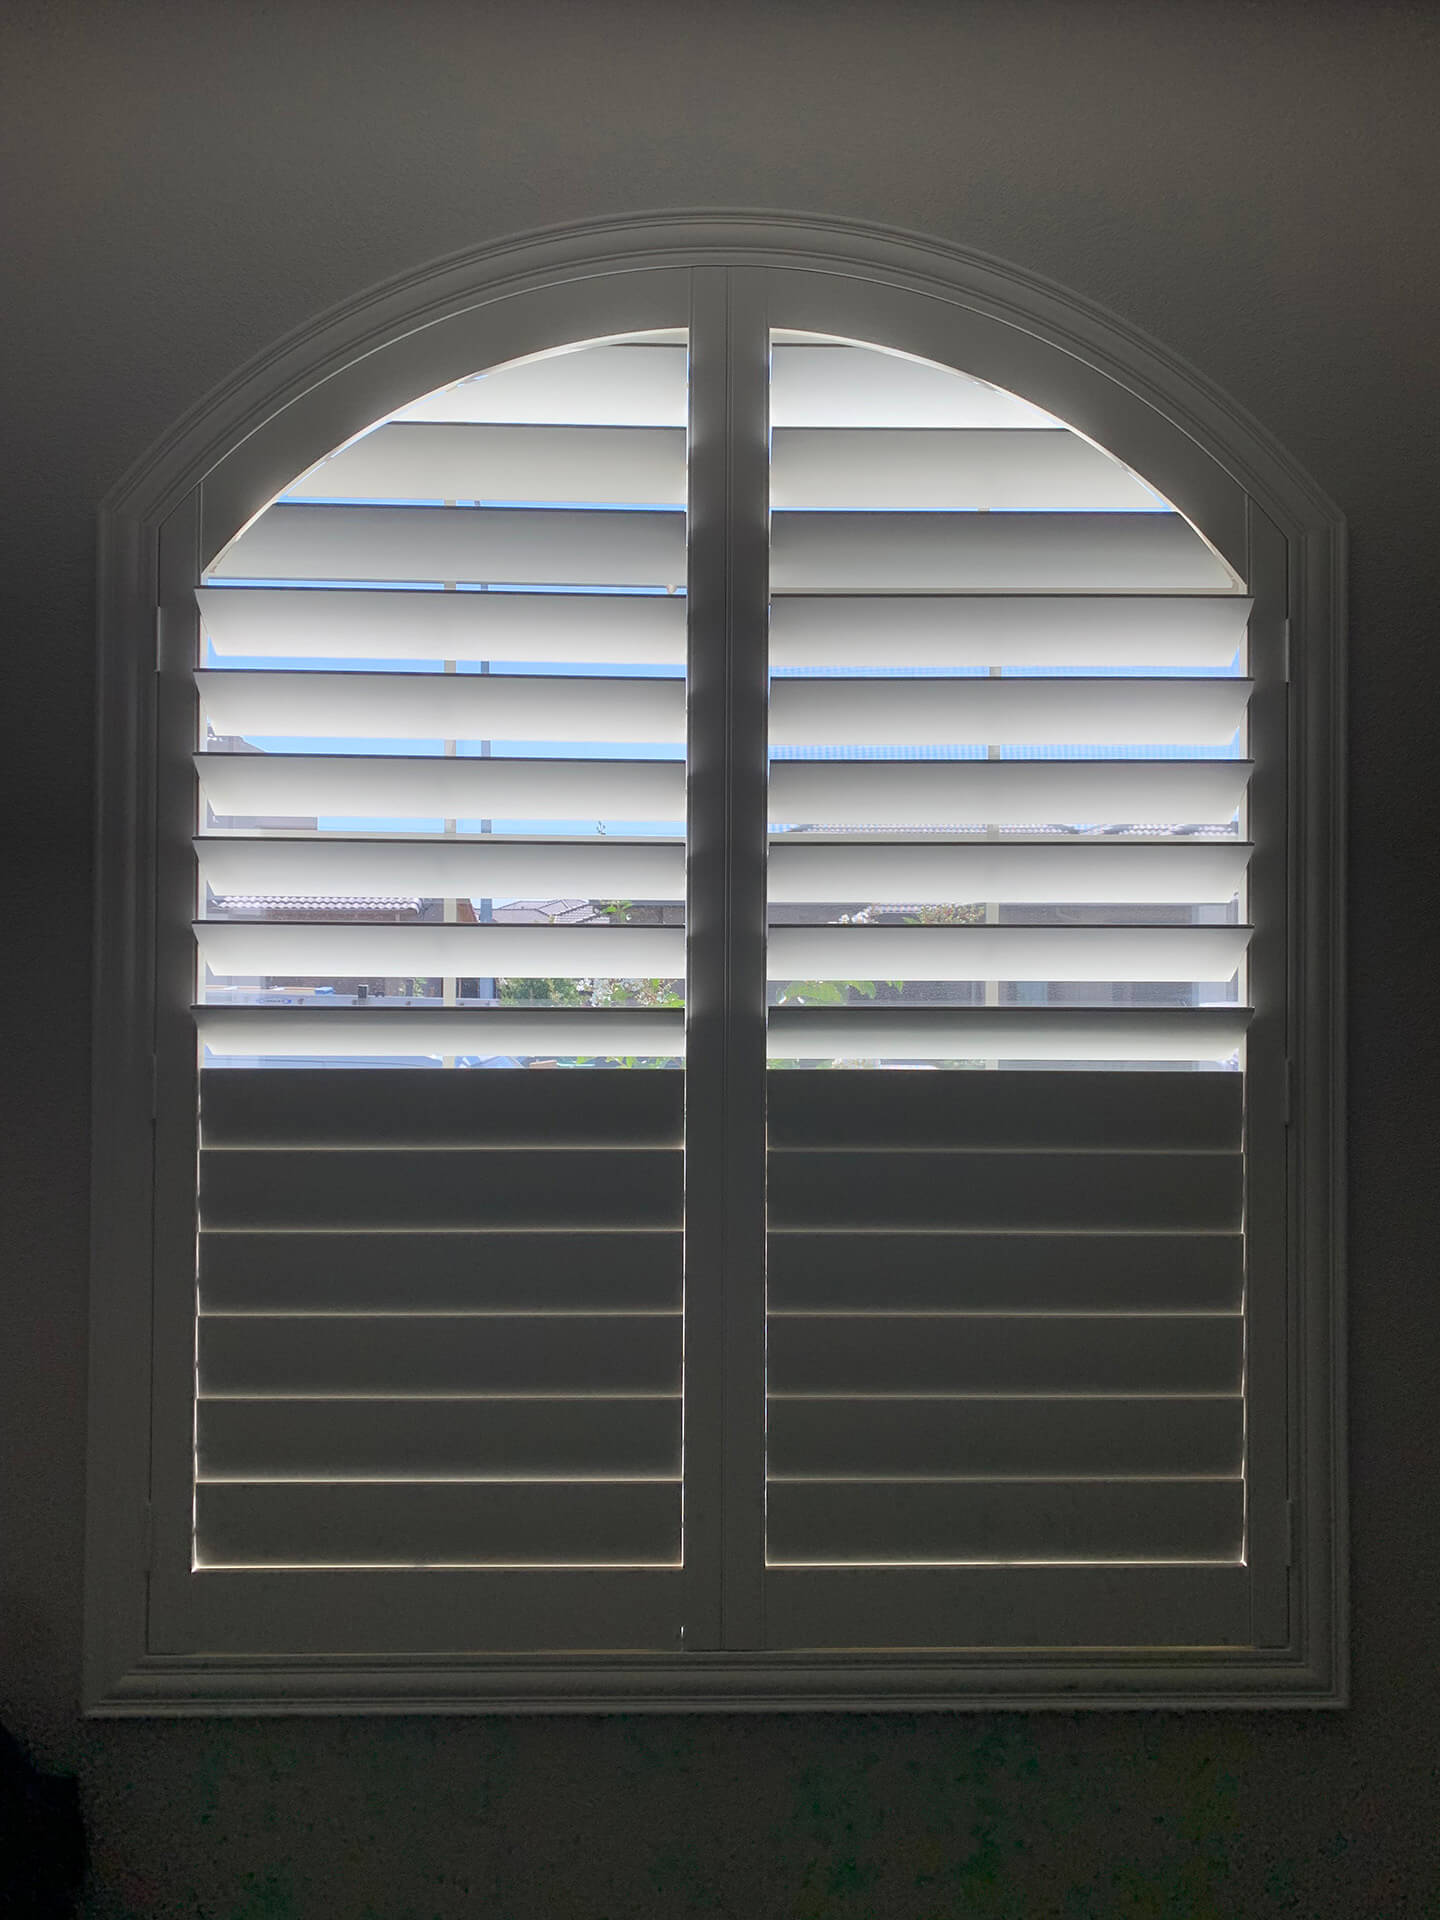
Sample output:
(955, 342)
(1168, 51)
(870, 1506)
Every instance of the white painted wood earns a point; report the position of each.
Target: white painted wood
(1005, 1521)
(1005, 953)
(410, 1107)
(562, 1524)
(1065, 1110)
(1006, 1033)
(914, 1189)
(871, 712)
(1006, 629)
(990, 1434)
(438, 869)
(528, 465)
(1018, 1270)
(1046, 1353)
(1069, 1618)
(418, 1190)
(270, 1356)
(486, 545)
(365, 786)
(854, 386)
(996, 552)
(894, 873)
(333, 1439)
(543, 1270)
(377, 1032)
(631, 385)
(359, 623)
(435, 706)
(958, 793)
(999, 470)
(278, 947)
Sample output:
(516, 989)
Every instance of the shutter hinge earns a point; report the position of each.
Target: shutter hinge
(1288, 1098)
(159, 639)
(154, 1087)
(1285, 650)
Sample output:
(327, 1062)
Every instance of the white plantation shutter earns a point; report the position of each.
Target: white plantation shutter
(440, 1311)
(1005, 1337)
(726, 914)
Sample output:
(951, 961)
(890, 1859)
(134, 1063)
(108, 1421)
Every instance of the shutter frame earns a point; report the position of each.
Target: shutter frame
(1305, 1659)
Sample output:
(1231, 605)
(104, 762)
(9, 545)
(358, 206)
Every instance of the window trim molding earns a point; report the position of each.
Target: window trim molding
(352, 365)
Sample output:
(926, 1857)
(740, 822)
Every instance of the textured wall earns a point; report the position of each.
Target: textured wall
(1255, 185)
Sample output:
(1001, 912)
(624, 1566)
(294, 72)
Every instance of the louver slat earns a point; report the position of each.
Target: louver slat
(1004, 1521)
(1006, 1033)
(911, 1271)
(412, 1189)
(437, 706)
(542, 1270)
(901, 872)
(835, 386)
(630, 385)
(1135, 1435)
(305, 1033)
(433, 1438)
(436, 868)
(593, 466)
(1005, 792)
(413, 788)
(382, 1354)
(353, 623)
(1007, 953)
(1055, 1112)
(524, 1524)
(1006, 630)
(537, 547)
(999, 469)
(1044, 1353)
(824, 713)
(275, 947)
(413, 1109)
(999, 552)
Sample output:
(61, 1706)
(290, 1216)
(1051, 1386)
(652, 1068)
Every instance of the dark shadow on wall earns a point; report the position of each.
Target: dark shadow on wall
(42, 1838)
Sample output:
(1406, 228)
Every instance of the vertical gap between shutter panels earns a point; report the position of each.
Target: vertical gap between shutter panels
(726, 1077)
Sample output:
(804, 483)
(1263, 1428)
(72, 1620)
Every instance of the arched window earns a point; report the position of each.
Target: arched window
(863, 728)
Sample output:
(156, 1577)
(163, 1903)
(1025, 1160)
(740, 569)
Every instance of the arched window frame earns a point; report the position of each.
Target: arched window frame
(221, 465)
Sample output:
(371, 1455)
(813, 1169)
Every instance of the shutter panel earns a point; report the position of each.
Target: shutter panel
(1007, 801)
(441, 801)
